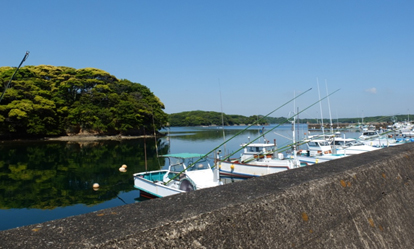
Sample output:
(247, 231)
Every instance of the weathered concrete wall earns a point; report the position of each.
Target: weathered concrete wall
(364, 201)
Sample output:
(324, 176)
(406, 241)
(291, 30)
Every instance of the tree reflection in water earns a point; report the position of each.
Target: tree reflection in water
(46, 175)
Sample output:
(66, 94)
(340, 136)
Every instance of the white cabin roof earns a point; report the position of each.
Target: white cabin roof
(259, 145)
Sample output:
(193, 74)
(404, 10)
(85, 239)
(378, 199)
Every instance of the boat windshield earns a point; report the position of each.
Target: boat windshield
(179, 167)
(199, 166)
(354, 143)
(254, 149)
(318, 143)
(345, 143)
(339, 143)
(180, 164)
(369, 133)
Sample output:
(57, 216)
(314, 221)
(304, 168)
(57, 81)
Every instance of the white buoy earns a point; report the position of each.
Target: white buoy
(96, 185)
(124, 166)
(122, 169)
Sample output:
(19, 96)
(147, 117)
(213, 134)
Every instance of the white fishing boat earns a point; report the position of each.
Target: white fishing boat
(347, 146)
(376, 139)
(351, 146)
(318, 150)
(257, 159)
(407, 131)
(186, 172)
(369, 135)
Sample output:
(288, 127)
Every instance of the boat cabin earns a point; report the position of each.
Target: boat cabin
(257, 151)
(369, 134)
(318, 147)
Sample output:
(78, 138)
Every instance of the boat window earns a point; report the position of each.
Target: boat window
(201, 166)
(312, 144)
(254, 149)
(324, 143)
(177, 167)
(357, 143)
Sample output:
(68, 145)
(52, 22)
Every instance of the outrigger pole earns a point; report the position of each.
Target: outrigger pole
(17, 69)
(287, 120)
(238, 133)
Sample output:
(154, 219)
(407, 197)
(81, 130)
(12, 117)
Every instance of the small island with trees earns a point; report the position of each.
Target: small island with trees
(59, 101)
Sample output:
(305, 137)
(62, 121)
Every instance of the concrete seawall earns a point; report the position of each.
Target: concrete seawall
(363, 201)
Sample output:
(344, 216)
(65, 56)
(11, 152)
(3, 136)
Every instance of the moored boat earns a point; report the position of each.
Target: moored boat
(318, 150)
(257, 159)
(186, 172)
(376, 139)
(350, 146)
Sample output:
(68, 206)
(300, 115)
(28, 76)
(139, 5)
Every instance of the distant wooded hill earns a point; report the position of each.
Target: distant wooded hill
(197, 118)
(50, 100)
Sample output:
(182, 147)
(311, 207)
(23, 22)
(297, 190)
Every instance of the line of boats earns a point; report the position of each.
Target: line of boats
(189, 171)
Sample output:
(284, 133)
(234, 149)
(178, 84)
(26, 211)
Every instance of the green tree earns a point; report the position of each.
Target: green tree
(48, 100)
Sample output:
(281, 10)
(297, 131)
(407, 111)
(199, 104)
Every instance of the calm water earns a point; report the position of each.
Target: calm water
(42, 181)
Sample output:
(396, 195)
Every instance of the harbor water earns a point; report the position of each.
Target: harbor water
(46, 180)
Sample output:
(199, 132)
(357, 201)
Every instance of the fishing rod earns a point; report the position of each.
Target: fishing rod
(238, 133)
(17, 69)
(287, 120)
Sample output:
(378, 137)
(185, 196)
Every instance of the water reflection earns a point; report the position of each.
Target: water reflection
(47, 175)
(41, 181)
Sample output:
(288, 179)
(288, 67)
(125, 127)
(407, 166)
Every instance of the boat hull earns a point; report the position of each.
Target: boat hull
(146, 182)
(309, 160)
(251, 170)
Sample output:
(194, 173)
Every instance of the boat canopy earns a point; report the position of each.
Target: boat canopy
(184, 155)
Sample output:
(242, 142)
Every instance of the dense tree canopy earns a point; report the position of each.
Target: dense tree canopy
(197, 118)
(49, 100)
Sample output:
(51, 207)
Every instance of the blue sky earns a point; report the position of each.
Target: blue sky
(239, 57)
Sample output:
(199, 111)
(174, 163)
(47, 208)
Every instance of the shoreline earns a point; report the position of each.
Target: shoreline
(82, 138)
(79, 138)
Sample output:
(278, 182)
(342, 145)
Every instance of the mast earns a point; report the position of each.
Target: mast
(329, 107)
(222, 121)
(297, 122)
(320, 107)
(145, 152)
(293, 126)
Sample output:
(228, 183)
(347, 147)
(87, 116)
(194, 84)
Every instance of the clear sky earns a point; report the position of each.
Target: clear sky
(236, 56)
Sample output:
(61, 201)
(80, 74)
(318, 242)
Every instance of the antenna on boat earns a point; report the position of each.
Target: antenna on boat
(222, 120)
(168, 136)
(145, 152)
(329, 107)
(320, 107)
(155, 137)
(293, 125)
(297, 122)
(17, 69)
